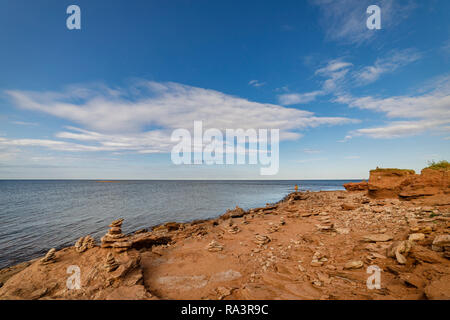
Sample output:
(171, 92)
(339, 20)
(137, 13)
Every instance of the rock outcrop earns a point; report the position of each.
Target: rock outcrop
(387, 183)
(356, 186)
(431, 184)
(235, 213)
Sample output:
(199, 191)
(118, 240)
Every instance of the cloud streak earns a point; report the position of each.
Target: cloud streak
(429, 111)
(389, 64)
(334, 72)
(256, 83)
(341, 75)
(345, 20)
(140, 118)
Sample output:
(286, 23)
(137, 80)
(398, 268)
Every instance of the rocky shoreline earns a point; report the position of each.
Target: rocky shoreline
(310, 245)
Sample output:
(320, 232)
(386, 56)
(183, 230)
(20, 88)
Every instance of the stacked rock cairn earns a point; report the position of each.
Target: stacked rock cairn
(84, 243)
(111, 263)
(49, 257)
(115, 238)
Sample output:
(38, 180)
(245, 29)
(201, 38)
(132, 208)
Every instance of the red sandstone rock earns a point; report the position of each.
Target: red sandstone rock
(432, 185)
(349, 206)
(439, 289)
(356, 186)
(430, 182)
(386, 183)
(296, 262)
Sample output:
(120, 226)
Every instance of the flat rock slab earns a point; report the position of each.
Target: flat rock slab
(439, 289)
(377, 238)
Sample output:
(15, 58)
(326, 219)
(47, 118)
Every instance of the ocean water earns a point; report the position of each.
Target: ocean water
(36, 215)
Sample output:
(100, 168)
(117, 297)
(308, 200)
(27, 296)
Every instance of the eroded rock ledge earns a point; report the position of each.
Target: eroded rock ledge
(431, 185)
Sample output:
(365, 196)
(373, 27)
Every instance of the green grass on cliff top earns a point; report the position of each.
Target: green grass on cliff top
(393, 170)
(440, 165)
(444, 164)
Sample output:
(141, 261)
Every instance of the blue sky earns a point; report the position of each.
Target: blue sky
(101, 102)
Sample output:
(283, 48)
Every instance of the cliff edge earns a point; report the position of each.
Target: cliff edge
(431, 186)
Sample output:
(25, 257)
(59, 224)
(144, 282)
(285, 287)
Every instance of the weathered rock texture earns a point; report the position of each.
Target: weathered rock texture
(310, 245)
(387, 183)
(356, 186)
(432, 185)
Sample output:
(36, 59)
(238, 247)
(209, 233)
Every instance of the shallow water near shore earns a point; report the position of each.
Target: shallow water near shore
(37, 215)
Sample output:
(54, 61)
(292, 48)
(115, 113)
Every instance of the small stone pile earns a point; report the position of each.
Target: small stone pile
(399, 250)
(115, 238)
(325, 223)
(49, 257)
(84, 243)
(234, 229)
(273, 228)
(261, 239)
(111, 263)
(214, 246)
(245, 220)
(318, 259)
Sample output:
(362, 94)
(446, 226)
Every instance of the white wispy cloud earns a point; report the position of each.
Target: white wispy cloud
(334, 72)
(388, 64)
(298, 98)
(24, 123)
(429, 111)
(346, 138)
(52, 144)
(345, 20)
(311, 151)
(333, 66)
(140, 118)
(341, 75)
(310, 160)
(398, 129)
(256, 83)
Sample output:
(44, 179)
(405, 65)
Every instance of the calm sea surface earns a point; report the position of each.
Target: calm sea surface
(36, 215)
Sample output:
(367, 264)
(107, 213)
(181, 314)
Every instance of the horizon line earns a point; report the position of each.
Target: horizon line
(105, 180)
